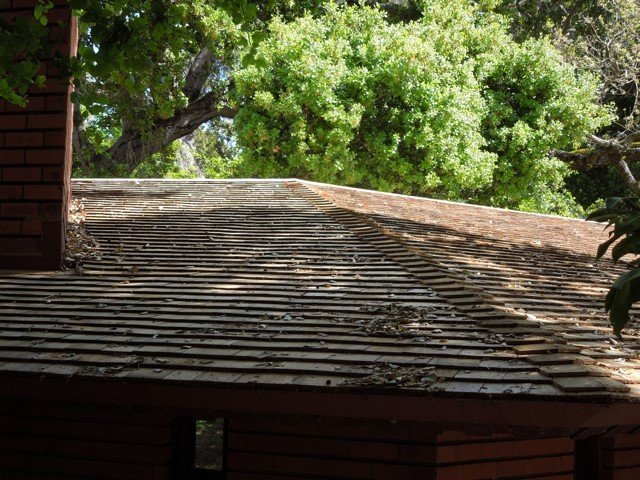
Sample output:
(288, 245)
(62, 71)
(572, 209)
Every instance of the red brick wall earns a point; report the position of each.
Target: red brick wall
(39, 442)
(621, 457)
(266, 450)
(35, 158)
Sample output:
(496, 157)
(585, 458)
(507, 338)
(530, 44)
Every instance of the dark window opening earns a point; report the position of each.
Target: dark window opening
(199, 449)
(587, 459)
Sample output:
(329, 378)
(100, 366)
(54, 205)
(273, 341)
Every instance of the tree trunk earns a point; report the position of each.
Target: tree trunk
(135, 146)
(129, 150)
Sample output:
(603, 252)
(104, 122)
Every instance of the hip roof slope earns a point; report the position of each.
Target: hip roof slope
(537, 270)
(268, 283)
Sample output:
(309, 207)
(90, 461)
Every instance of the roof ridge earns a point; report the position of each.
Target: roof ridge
(544, 352)
(438, 200)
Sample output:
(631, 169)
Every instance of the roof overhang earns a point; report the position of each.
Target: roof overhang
(542, 417)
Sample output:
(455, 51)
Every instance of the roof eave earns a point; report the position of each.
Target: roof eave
(568, 416)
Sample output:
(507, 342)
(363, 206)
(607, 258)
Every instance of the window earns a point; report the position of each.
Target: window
(199, 448)
(587, 459)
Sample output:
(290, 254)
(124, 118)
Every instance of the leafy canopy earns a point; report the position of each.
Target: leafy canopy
(447, 105)
(150, 72)
(441, 102)
(133, 55)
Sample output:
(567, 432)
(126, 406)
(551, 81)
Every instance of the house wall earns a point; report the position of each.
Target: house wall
(35, 156)
(41, 442)
(47, 442)
(621, 457)
(306, 450)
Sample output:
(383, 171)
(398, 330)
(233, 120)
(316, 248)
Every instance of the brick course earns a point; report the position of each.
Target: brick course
(61, 442)
(35, 156)
(620, 457)
(56, 441)
(265, 449)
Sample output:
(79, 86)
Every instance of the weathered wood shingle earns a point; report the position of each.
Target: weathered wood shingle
(535, 273)
(268, 283)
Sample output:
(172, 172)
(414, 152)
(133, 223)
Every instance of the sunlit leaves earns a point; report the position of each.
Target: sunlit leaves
(40, 12)
(446, 106)
(349, 97)
(537, 103)
(134, 55)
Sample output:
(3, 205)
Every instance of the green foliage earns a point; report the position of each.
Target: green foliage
(210, 146)
(435, 98)
(622, 215)
(597, 36)
(134, 55)
(134, 69)
(589, 188)
(157, 165)
(536, 103)
(22, 43)
(446, 106)
(213, 152)
(350, 98)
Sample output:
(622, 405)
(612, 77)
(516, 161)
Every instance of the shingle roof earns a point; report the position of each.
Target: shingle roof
(293, 285)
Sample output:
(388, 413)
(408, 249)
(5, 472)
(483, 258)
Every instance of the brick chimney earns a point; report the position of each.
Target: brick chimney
(35, 157)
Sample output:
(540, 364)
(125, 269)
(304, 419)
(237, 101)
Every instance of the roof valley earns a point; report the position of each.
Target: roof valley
(543, 347)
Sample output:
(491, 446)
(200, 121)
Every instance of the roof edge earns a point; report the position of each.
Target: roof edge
(185, 180)
(569, 415)
(321, 184)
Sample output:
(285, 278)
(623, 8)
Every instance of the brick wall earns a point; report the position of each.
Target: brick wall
(35, 158)
(621, 457)
(306, 450)
(44, 441)
(41, 442)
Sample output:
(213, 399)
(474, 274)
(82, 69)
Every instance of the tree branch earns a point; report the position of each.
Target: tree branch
(188, 119)
(198, 74)
(627, 176)
(133, 147)
(601, 153)
(82, 146)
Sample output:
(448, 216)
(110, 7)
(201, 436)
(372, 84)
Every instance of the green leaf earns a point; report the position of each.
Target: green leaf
(604, 214)
(602, 249)
(627, 224)
(244, 40)
(619, 306)
(613, 203)
(247, 60)
(622, 295)
(258, 37)
(629, 244)
(250, 12)
(596, 214)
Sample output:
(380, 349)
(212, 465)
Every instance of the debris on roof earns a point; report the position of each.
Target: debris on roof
(294, 286)
(80, 245)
